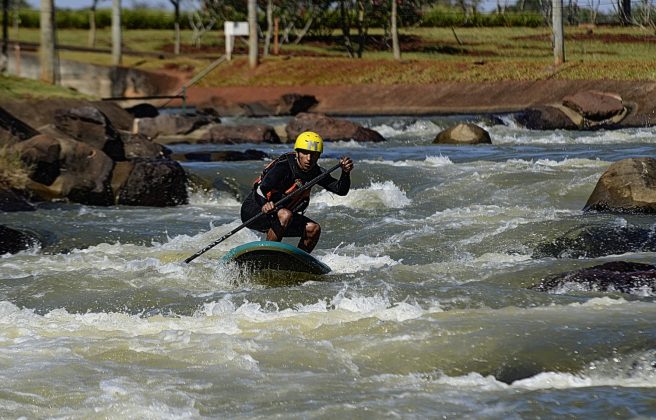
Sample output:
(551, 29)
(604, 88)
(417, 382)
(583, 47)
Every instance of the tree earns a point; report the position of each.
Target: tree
(252, 33)
(176, 25)
(47, 45)
(395, 34)
(117, 50)
(92, 23)
(4, 57)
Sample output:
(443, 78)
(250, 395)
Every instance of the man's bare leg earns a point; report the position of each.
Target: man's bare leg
(310, 237)
(277, 231)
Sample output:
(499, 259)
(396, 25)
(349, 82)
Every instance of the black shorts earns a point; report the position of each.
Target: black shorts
(252, 207)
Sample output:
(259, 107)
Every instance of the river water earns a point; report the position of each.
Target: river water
(427, 312)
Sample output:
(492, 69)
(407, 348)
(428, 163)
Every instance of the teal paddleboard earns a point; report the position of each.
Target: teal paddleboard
(268, 255)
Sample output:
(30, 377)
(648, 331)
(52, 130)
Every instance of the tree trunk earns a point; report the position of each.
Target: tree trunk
(625, 15)
(557, 27)
(116, 33)
(269, 18)
(47, 47)
(361, 30)
(92, 26)
(252, 33)
(346, 28)
(395, 33)
(176, 27)
(5, 35)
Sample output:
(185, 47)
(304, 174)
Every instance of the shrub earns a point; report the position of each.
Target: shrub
(13, 172)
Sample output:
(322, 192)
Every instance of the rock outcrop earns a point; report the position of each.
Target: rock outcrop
(584, 110)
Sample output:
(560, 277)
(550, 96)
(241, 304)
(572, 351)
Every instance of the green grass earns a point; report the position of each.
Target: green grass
(429, 55)
(13, 88)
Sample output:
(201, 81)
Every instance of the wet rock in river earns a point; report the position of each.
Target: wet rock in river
(627, 186)
(236, 134)
(598, 241)
(12, 200)
(617, 276)
(153, 182)
(220, 156)
(13, 241)
(465, 133)
(331, 129)
(172, 125)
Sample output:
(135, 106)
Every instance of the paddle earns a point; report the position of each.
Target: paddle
(260, 214)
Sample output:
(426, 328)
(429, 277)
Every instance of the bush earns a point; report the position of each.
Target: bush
(13, 172)
(444, 17)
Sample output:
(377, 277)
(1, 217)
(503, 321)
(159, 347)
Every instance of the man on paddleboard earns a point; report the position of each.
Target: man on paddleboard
(282, 177)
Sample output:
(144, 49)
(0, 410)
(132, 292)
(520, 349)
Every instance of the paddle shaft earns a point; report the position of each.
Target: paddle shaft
(260, 214)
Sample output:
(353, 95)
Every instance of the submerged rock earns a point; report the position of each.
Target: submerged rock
(598, 241)
(220, 156)
(618, 276)
(11, 200)
(13, 241)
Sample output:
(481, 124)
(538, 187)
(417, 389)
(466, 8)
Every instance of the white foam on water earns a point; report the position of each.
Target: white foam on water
(643, 135)
(418, 128)
(344, 264)
(212, 198)
(633, 370)
(429, 162)
(377, 195)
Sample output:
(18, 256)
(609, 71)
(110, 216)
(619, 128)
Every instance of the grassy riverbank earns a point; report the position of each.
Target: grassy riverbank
(429, 55)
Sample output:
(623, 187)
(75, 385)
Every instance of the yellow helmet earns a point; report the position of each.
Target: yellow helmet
(310, 141)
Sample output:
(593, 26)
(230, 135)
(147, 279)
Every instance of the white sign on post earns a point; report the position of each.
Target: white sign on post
(231, 30)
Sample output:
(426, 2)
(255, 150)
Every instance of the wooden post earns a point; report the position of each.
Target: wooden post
(5, 34)
(558, 38)
(252, 33)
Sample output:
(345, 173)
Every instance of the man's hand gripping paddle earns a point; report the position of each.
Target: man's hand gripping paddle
(277, 205)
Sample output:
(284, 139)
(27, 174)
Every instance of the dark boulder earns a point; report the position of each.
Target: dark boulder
(143, 111)
(67, 169)
(88, 125)
(140, 146)
(545, 118)
(617, 276)
(42, 112)
(464, 133)
(220, 156)
(330, 129)
(12, 129)
(11, 200)
(13, 241)
(288, 104)
(171, 125)
(236, 134)
(598, 241)
(154, 182)
(627, 186)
